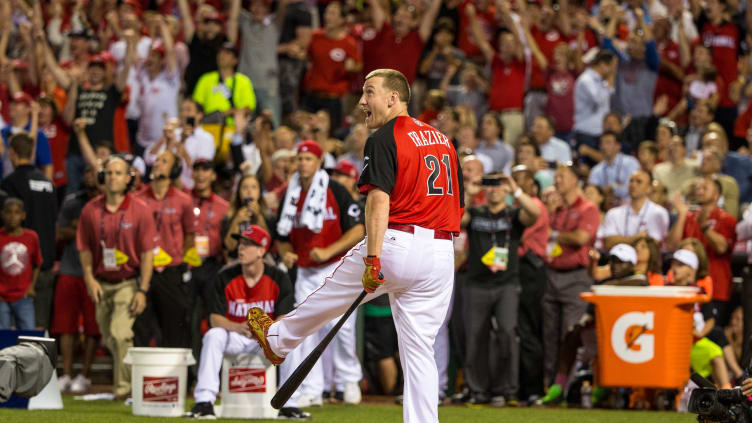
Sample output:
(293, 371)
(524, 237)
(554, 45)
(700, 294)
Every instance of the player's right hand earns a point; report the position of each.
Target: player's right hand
(372, 277)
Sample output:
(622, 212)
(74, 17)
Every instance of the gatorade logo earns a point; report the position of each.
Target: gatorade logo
(630, 340)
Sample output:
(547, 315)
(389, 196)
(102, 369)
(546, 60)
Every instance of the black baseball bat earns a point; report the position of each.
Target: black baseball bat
(291, 384)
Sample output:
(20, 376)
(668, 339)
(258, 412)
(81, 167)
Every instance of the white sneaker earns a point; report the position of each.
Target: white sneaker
(352, 393)
(80, 385)
(310, 401)
(64, 382)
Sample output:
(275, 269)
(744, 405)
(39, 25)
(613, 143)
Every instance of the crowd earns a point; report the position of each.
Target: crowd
(162, 163)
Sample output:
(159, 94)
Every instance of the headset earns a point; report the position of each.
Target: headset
(128, 159)
(177, 167)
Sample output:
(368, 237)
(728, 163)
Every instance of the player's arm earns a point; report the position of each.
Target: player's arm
(529, 210)
(377, 219)
(378, 14)
(219, 321)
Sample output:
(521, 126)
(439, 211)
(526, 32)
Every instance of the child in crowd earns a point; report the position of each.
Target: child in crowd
(20, 259)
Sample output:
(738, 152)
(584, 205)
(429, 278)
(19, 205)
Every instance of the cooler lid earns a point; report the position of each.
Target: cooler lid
(645, 291)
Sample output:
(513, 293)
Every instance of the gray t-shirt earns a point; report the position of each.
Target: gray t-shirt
(258, 58)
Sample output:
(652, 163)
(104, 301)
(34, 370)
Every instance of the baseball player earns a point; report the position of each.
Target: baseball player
(235, 289)
(413, 207)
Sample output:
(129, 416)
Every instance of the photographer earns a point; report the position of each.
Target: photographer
(493, 288)
(186, 139)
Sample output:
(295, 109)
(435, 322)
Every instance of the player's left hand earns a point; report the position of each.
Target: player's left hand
(320, 255)
(372, 277)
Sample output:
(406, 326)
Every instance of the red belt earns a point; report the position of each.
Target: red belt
(411, 229)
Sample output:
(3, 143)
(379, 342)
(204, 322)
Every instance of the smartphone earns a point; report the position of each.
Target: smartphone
(190, 120)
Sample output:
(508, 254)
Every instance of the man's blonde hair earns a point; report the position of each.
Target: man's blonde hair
(393, 80)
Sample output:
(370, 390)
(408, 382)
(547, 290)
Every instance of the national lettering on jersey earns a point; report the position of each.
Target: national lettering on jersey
(233, 298)
(418, 167)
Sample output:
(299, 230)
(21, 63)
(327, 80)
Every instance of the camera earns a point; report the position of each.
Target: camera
(190, 121)
(246, 201)
(718, 405)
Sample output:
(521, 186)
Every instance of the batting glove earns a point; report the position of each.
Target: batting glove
(372, 277)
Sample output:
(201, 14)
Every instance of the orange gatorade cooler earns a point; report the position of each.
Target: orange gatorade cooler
(644, 334)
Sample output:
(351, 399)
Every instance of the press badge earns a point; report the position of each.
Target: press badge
(553, 249)
(497, 258)
(202, 245)
(108, 256)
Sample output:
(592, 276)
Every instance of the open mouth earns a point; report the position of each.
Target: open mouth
(368, 114)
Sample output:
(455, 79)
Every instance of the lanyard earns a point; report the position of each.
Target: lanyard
(197, 203)
(640, 217)
(566, 220)
(508, 231)
(158, 214)
(101, 225)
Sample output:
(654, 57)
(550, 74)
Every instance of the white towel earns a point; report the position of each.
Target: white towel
(312, 214)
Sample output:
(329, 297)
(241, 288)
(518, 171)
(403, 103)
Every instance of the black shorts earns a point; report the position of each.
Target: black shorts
(380, 338)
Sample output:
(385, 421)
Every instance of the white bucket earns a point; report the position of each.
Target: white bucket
(159, 377)
(249, 381)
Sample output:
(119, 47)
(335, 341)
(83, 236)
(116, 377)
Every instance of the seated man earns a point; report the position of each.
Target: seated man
(250, 283)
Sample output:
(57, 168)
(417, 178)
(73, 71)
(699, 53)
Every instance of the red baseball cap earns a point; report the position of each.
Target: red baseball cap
(158, 47)
(213, 16)
(107, 57)
(346, 168)
(21, 97)
(310, 146)
(96, 59)
(257, 235)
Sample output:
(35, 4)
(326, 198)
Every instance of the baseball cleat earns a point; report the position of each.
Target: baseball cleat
(259, 323)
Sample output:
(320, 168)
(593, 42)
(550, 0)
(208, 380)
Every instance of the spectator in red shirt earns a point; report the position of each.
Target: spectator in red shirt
(21, 260)
(334, 59)
(398, 41)
(508, 69)
(116, 239)
(176, 228)
(673, 61)
(57, 134)
(724, 38)
(716, 229)
(487, 20)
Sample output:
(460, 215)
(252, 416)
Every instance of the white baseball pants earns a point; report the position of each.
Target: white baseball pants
(419, 272)
(216, 343)
(345, 363)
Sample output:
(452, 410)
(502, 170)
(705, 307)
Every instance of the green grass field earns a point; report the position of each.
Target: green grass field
(111, 412)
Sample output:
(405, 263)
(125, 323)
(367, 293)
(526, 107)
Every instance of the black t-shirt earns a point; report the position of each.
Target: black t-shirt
(203, 53)
(296, 15)
(485, 230)
(70, 263)
(232, 298)
(40, 202)
(98, 107)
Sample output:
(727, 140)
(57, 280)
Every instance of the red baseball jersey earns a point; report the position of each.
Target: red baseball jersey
(383, 50)
(723, 41)
(174, 218)
(418, 167)
(719, 265)
(507, 85)
(19, 255)
(547, 42)
(233, 298)
(130, 229)
(340, 215)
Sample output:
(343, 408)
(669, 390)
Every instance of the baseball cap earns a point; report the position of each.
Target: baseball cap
(686, 257)
(19, 64)
(21, 97)
(522, 168)
(158, 47)
(282, 153)
(624, 252)
(203, 162)
(107, 57)
(96, 59)
(310, 146)
(213, 16)
(257, 235)
(347, 168)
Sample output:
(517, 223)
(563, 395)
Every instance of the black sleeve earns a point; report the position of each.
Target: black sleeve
(718, 337)
(517, 227)
(286, 298)
(9, 188)
(350, 213)
(708, 311)
(380, 161)
(219, 302)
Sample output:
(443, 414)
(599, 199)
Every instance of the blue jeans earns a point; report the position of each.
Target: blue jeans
(21, 310)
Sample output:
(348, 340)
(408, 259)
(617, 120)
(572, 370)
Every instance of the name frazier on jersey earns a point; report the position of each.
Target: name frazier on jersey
(240, 309)
(428, 137)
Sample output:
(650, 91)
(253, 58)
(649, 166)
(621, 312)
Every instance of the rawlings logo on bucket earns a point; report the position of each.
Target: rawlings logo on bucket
(160, 389)
(247, 380)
